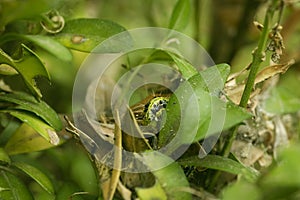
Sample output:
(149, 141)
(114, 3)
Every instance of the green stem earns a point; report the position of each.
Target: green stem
(258, 57)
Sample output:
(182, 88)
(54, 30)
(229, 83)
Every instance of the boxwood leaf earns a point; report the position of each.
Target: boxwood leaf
(52, 46)
(45, 42)
(37, 124)
(29, 67)
(222, 164)
(37, 175)
(26, 140)
(198, 106)
(86, 34)
(28, 103)
(11, 187)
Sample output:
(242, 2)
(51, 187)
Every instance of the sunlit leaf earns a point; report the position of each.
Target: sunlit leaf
(41, 127)
(11, 187)
(86, 34)
(37, 175)
(50, 45)
(171, 178)
(222, 164)
(29, 67)
(180, 15)
(25, 140)
(28, 103)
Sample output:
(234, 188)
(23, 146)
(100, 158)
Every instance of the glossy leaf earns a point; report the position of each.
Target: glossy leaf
(37, 175)
(180, 15)
(25, 140)
(41, 127)
(4, 158)
(202, 112)
(29, 67)
(185, 68)
(28, 103)
(171, 178)
(9, 129)
(222, 164)
(45, 42)
(52, 46)
(86, 34)
(11, 187)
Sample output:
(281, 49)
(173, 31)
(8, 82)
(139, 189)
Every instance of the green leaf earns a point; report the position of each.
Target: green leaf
(25, 140)
(86, 34)
(41, 127)
(185, 68)
(11, 187)
(180, 15)
(200, 110)
(212, 79)
(38, 107)
(154, 192)
(45, 42)
(171, 178)
(37, 175)
(29, 67)
(4, 158)
(222, 164)
(52, 46)
(9, 129)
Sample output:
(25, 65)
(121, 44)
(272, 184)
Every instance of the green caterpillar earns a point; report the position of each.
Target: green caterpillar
(155, 109)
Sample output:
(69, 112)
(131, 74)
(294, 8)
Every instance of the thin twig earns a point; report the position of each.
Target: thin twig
(117, 157)
(258, 58)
